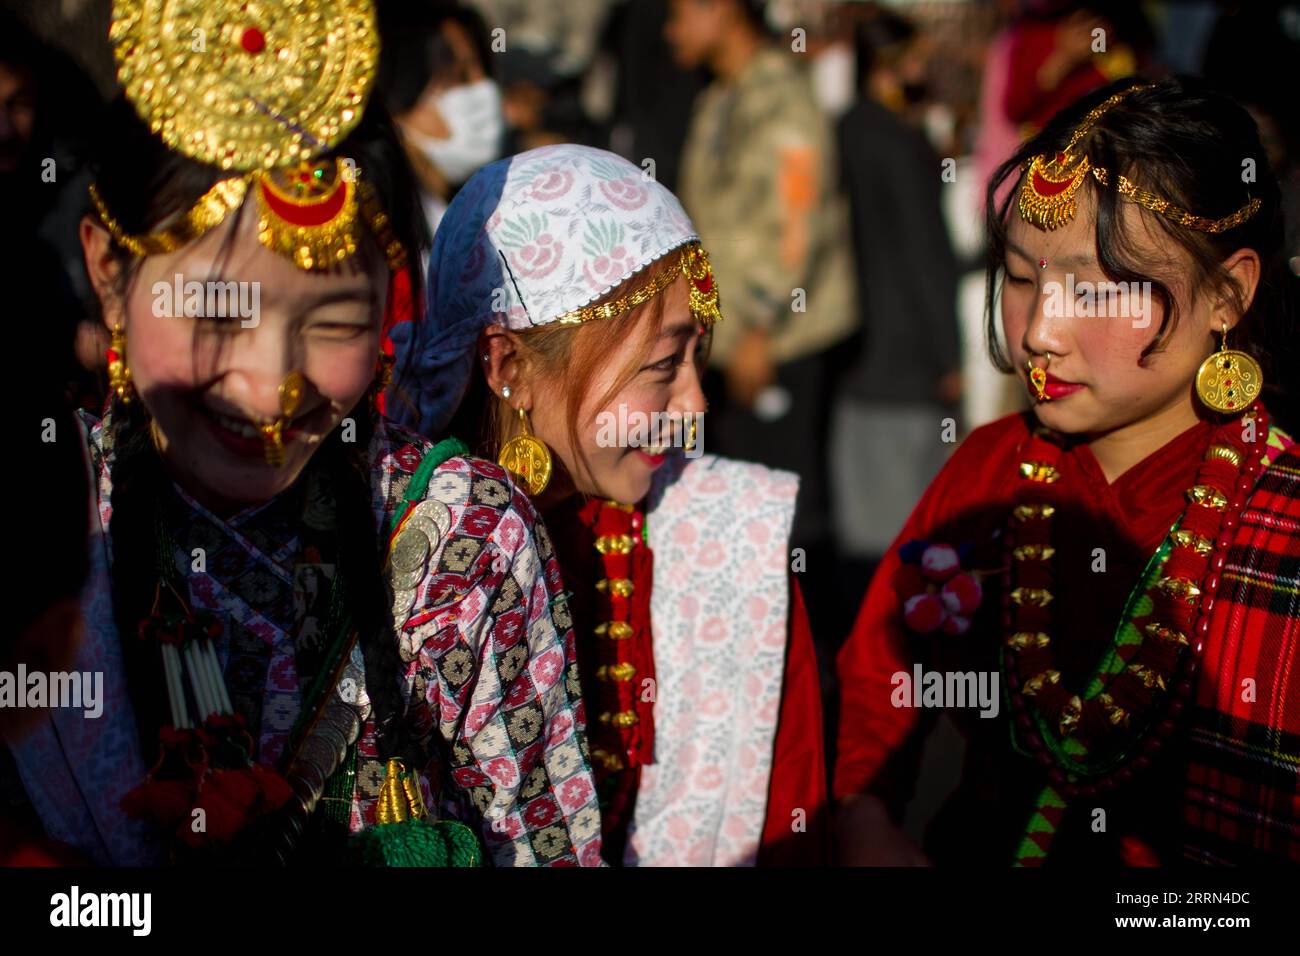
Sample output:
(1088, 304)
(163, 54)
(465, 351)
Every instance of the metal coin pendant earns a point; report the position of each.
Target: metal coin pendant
(529, 460)
(1229, 380)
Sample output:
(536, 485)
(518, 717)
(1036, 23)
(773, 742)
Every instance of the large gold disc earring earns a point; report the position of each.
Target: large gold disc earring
(119, 375)
(1229, 380)
(527, 458)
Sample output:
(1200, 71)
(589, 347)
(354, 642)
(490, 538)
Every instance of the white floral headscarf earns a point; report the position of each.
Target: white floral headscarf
(527, 240)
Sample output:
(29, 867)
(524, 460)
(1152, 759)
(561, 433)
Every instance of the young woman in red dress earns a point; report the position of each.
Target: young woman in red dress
(1118, 566)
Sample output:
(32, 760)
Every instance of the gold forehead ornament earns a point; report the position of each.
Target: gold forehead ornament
(1048, 194)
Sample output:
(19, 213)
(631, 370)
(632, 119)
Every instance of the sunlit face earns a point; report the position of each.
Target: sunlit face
(209, 382)
(668, 382)
(1097, 378)
(694, 27)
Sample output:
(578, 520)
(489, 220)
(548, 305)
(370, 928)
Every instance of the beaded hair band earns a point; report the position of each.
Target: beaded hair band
(1047, 197)
(693, 263)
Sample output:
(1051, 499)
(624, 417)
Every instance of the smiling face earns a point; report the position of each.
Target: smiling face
(208, 382)
(666, 382)
(1098, 379)
(646, 363)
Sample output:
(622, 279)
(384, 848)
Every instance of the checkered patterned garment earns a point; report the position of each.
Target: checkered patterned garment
(491, 670)
(1243, 780)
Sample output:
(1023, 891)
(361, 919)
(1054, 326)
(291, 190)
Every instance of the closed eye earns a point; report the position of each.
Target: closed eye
(339, 330)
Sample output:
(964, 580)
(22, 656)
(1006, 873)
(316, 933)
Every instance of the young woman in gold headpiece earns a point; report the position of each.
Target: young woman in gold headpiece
(1101, 592)
(321, 637)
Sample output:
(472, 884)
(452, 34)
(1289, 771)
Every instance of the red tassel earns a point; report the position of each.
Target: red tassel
(164, 803)
(223, 814)
(274, 789)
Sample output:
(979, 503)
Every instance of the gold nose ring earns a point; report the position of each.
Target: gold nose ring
(291, 391)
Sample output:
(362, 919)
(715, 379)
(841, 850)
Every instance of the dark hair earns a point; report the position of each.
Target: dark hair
(878, 40)
(415, 51)
(143, 183)
(1187, 143)
(755, 13)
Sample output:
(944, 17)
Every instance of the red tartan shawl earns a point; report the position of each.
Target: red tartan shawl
(1242, 801)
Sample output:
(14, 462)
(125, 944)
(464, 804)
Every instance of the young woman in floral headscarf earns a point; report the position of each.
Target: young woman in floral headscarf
(571, 306)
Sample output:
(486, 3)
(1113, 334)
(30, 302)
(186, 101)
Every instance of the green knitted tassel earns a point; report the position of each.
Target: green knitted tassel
(404, 836)
(416, 843)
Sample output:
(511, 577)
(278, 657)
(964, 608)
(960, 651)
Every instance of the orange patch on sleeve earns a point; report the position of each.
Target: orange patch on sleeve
(798, 177)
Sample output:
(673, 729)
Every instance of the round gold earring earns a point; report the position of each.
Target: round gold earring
(1229, 380)
(527, 458)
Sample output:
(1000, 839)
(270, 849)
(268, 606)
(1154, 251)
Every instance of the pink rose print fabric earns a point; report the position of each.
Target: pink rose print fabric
(720, 531)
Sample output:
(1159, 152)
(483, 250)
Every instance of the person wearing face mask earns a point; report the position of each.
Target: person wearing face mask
(321, 637)
(695, 655)
(434, 80)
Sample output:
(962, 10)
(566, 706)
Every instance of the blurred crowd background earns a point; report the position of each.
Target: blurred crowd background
(833, 156)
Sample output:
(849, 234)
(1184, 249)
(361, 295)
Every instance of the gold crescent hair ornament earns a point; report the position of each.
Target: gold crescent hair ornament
(291, 392)
(1048, 193)
(210, 211)
(308, 213)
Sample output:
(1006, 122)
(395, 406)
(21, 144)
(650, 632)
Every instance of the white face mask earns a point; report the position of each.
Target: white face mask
(473, 114)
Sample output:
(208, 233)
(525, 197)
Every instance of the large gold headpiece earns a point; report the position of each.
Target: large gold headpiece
(1047, 195)
(261, 88)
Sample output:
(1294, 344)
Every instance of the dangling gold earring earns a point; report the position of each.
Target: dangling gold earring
(527, 458)
(119, 375)
(1229, 380)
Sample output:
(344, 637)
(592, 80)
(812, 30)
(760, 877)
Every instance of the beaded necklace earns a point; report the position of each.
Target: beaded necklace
(1095, 740)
